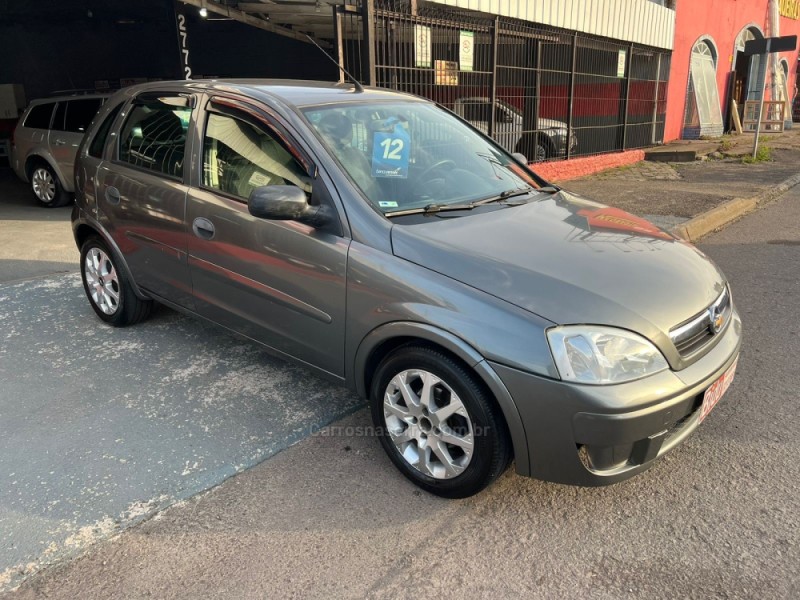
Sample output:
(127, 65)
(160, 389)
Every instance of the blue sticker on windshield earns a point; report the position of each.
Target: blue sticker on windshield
(391, 151)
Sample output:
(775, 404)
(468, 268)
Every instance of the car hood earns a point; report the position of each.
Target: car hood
(570, 260)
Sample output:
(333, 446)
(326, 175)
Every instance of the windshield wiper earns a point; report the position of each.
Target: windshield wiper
(501, 197)
(504, 196)
(430, 209)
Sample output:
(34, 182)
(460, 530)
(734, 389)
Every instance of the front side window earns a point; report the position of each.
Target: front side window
(80, 113)
(39, 116)
(99, 140)
(410, 155)
(239, 156)
(154, 135)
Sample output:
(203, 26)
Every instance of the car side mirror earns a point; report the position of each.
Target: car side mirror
(520, 157)
(286, 203)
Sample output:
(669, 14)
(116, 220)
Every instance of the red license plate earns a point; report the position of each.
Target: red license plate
(717, 389)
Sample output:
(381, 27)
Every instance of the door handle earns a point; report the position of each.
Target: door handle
(203, 228)
(112, 195)
(60, 142)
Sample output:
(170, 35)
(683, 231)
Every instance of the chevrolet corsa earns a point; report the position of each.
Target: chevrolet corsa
(384, 243)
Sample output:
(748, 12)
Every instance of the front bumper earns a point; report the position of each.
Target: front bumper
(597, 435)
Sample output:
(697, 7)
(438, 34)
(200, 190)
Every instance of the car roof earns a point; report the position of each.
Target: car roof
(296, 93)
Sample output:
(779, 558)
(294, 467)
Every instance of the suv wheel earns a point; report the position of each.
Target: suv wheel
(107, 287)
(47, 188)
(541, 153)
(440, 428)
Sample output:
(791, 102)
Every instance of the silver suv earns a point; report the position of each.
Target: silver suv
(45, 143)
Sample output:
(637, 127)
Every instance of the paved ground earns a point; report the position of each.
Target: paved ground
(33, 241)
(684, 190)
(718, 517)
(100, 427)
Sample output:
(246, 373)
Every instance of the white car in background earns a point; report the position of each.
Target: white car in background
(553, 135)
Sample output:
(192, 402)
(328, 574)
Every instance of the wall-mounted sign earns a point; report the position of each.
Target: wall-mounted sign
(180, 19)
(445, 72)
(621, 59)
(466, 50)
(422, 46)
(790, 9)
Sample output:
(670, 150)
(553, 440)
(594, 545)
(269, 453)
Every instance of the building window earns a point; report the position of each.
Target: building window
(703, 113)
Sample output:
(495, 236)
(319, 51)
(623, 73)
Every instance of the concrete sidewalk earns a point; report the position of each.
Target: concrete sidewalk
(672, 193)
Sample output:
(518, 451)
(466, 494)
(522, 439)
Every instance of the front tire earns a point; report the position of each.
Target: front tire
(107, 287)
(47, 188)
(437, 423)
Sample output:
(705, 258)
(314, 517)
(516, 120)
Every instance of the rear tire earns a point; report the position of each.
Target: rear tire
(47, 188)
(107, 287)
(437, 423)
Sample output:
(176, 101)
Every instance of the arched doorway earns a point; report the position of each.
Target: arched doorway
(703, 114)
(784, 93)
(748, 71)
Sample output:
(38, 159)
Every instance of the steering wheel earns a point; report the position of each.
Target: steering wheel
(435, 167)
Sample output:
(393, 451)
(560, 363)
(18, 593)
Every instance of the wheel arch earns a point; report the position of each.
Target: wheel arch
(383, 340)
(82, 230)
(33, 159)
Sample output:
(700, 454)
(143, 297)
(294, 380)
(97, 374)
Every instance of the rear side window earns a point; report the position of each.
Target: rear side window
(154, 135)
(477, 111)
(99, 140)
(39, 116)
(80, 113)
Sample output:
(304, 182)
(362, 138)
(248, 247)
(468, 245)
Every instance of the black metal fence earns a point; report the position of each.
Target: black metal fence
(545, 92)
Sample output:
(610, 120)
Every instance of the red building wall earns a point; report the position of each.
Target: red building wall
(722, 21)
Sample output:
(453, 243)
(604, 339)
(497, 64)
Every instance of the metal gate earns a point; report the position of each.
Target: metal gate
(548, 93)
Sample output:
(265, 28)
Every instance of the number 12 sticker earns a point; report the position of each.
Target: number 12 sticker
(390, 153)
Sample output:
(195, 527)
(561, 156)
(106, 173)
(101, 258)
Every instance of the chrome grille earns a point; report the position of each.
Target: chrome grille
(691, 335)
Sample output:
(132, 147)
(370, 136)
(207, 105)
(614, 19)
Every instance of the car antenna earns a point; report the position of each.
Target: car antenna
(359, 89)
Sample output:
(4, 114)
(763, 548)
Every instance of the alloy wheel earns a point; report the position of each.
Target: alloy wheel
(43, 184)
(428, 424)
(102, 281)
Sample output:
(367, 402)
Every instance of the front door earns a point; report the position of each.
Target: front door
(279, 282)
(144, 195)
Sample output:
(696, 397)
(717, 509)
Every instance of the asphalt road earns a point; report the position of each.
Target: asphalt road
(329, 517)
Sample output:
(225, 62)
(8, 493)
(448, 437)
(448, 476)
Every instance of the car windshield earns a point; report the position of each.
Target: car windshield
(411, 155)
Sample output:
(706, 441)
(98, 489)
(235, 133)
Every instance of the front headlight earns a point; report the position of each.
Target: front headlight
(602, 355)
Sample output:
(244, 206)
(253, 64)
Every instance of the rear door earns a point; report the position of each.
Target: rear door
(70, 122)
(141, 193)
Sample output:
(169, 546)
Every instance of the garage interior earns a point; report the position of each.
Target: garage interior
(94, 45)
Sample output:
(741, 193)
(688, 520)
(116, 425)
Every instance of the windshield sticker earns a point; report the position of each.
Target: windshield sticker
(388, 204)
(391, 152)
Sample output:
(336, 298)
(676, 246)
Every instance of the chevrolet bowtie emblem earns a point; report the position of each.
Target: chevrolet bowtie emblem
(717, 319)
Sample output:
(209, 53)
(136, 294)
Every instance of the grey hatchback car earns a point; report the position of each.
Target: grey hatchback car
(386, 244)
